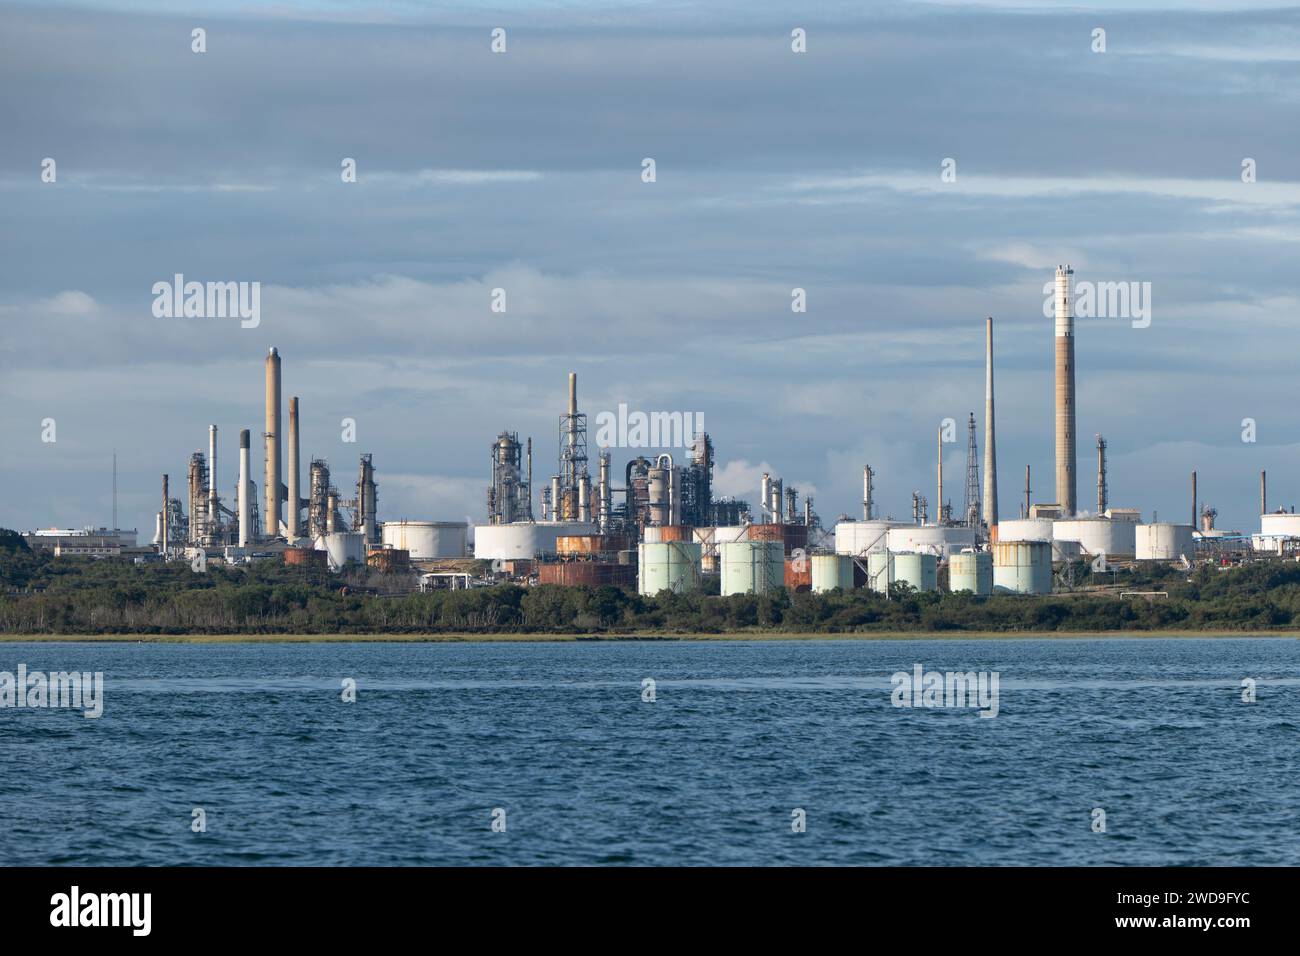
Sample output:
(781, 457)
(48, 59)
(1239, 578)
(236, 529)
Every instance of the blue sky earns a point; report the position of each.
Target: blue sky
(522, 171)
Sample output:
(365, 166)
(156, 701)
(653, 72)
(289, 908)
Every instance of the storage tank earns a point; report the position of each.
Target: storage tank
(426, 540)
(1038, 529)
(1022, 567)
(938, 540)
(710, 538)
(586, 574)
(1097, 535)
(971, 571)
(862, 537)
(1163, 541)
(752, 567)
(667, 566)
(880, 571)
(919, 570)
(341, 547)
(524, 539)
(831, 571)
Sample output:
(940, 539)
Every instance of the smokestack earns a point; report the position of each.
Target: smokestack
(990, 439)
(271, 521)
(166, 518)
(214, 514)
(294, 502)
(530, 479)
(1102, 495)
(573, 393)
(1195, 523)
(1027, 493)
(868, 492)
(115, 491)
(1065, 461)
(1263, 493)
(938, 508)
(245, 506)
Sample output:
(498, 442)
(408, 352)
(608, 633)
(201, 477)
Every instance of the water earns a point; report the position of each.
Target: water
(741, 734)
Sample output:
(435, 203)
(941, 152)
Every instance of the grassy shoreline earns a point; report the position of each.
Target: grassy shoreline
(468, 638)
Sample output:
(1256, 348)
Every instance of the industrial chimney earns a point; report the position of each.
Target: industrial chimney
(271, 522)
(294, 503)
(214, 512)
(1065, 461)
(244, 505)
(990, 440)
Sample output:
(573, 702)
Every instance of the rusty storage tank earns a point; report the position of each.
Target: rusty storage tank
(791, 536)
(389, 559)
(798, 574)
(657, 534)
(582, 544)
(586, 573)
(305, 558)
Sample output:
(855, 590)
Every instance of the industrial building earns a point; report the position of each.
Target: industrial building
(655, 523)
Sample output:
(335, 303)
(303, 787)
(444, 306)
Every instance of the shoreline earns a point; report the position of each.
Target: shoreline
(466, 638)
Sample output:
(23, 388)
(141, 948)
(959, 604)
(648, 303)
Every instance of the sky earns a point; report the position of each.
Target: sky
(523, 171)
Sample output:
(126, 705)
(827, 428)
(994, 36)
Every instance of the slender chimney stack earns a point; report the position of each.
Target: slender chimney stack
(271, 520)
(166, 515)
(214, 513)
(1066, 487)
(1195, 523)
(1263, 492)
(294, 502)
(990, 435)
(244, 505)
(1027, 493)
(938, 508)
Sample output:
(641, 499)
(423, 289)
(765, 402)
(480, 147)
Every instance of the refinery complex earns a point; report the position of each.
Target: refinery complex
(653, 522)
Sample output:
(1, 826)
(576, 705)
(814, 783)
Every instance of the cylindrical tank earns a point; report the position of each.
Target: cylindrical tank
(668, 566)
(971, 571)
(919, 570)
(752, 567)
(940, 540)
(1038, 529)
(710, 538)
(862, 537)
(1022, 567)
(586, 573)
(426, 540)
(880, 571)
(1098, 535)
(524, 539)
(831, 571)
(1165, 542)
(305, 557)
(342, 547)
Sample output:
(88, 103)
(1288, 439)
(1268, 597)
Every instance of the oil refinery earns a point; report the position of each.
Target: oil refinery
(654, 521)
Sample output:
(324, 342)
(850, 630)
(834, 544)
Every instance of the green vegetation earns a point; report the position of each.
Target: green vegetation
(40, 594)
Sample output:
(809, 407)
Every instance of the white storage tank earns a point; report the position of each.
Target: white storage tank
(831, 571)
(1037, 529)
(667, 566)
(1022, 567)
(752, 567)
(880, 571)
(921, 571)
(971, 571)
(711, 538)
(426, 540)
(524, 539)
(1098, 535)
(342, 547)
(940, 540)
(862, 537)
(1165, 542)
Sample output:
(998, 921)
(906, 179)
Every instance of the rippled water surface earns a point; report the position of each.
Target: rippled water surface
(741, 734)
